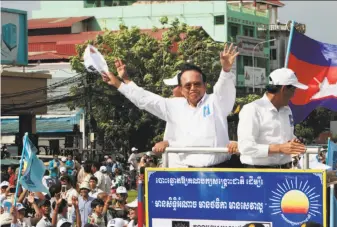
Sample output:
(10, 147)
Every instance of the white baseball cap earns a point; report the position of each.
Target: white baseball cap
(121, 190)
(63, 169)
(102, 169)
(117, 222)
(148, 153)
(63, 159)
(133, 204)
(4, 184)
(285, 76)
(62, 221)
(84, 185)
(172, 81)
(106, 157)
(134, 149)
(19, 206)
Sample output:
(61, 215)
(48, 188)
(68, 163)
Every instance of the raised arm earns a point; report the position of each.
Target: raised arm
(143, 99)
(224, 90)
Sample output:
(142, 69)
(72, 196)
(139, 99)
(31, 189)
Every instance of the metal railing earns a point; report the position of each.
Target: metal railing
(216, 150)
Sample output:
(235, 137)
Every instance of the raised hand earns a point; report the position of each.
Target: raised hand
(121, 69)
(227, 57)
(74, 200)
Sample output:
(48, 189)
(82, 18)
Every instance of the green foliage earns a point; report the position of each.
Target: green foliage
(149, 61)
(317, 122)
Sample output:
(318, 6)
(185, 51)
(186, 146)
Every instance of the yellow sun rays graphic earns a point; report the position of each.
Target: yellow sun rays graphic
(293, 198)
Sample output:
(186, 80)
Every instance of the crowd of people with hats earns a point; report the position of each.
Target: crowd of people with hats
(86, 194)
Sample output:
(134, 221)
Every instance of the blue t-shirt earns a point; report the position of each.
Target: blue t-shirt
(70, 164)
(53, 170)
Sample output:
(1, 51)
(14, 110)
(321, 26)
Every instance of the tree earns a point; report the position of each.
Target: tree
(317, 122)
(149, 61)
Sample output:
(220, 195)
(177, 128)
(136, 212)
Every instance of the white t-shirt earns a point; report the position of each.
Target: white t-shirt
(133, 161)
(95, 192)
(101, 180)
(44, 222)
(70, 193)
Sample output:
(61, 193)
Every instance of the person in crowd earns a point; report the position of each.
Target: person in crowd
(19, 219)
(45, 221)
(63, 171)
(266, 126)
(47, 180)
(87, 172)
(94, 190)
(99, 175)
(199, 119)
(132, 160)
(121, 197)
(117, 222)
(70, 165)
(133, 214)
(63, 162)
(68, 190)
(53, 167)
(84, 204)
(12, 177)
(60, 210)
(119, 179)
(107, 179)
(5, 190)
(97, 217)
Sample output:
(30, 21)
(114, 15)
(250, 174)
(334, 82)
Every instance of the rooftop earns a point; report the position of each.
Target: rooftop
(55, 22)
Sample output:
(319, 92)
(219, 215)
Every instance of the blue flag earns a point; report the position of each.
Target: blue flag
(32, 178)
(332, 155)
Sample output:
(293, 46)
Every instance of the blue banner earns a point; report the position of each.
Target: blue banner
(200, 197)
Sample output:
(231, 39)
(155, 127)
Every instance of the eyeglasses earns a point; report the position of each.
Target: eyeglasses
(188, 86)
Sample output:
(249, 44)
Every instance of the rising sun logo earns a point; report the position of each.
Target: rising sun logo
(296, 202)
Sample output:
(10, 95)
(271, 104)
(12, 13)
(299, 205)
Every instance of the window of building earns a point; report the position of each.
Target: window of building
(273, 53)
(233, 32)
(272, 43)
(248, 31)
(219, 20)
(247, 61)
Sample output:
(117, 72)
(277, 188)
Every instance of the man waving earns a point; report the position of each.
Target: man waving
(198, 119)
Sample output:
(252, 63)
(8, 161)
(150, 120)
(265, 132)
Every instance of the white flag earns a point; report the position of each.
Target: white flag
(94, 61)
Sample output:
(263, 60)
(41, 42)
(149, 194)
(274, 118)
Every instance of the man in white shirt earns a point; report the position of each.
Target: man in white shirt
(107, 179)
(133, 159)
(198, 119)
(266, 126)
(99, 175)
(94, 190)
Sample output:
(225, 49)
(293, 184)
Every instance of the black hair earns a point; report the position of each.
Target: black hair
(66, 224)
(96, 202)
(55, 189)
(190, 67)
(12, 167)
(273, 89)
(96, 164)
(93, 178)
(87, 167)
(61, 207)
(67, 178)
(46, 172)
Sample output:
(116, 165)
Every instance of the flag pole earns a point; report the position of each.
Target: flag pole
(292, 27)
(20, 169)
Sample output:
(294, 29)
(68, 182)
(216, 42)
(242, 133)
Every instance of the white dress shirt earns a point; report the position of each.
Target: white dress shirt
(101, 180)
(261, 124)
(201, 126)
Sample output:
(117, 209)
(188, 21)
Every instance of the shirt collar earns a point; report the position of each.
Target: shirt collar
(270, 105)
(202, 100)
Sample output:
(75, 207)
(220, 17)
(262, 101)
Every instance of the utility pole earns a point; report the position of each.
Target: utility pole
(88, 110)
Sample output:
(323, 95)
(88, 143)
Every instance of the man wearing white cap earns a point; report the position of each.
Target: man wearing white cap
(4, 190)
(199, 119)
(63, 171)
(133, 159)
(107, 180)
(266, 126)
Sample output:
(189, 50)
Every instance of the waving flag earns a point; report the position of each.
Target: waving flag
(32, 178)
(315, 64)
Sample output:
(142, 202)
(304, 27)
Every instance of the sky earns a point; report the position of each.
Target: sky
(320, 17)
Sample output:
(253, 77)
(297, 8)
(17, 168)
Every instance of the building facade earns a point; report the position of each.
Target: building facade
(224, 21)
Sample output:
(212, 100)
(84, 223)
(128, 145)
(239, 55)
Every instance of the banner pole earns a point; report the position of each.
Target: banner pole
(20, 169)
(332, 205)
(292, 26)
